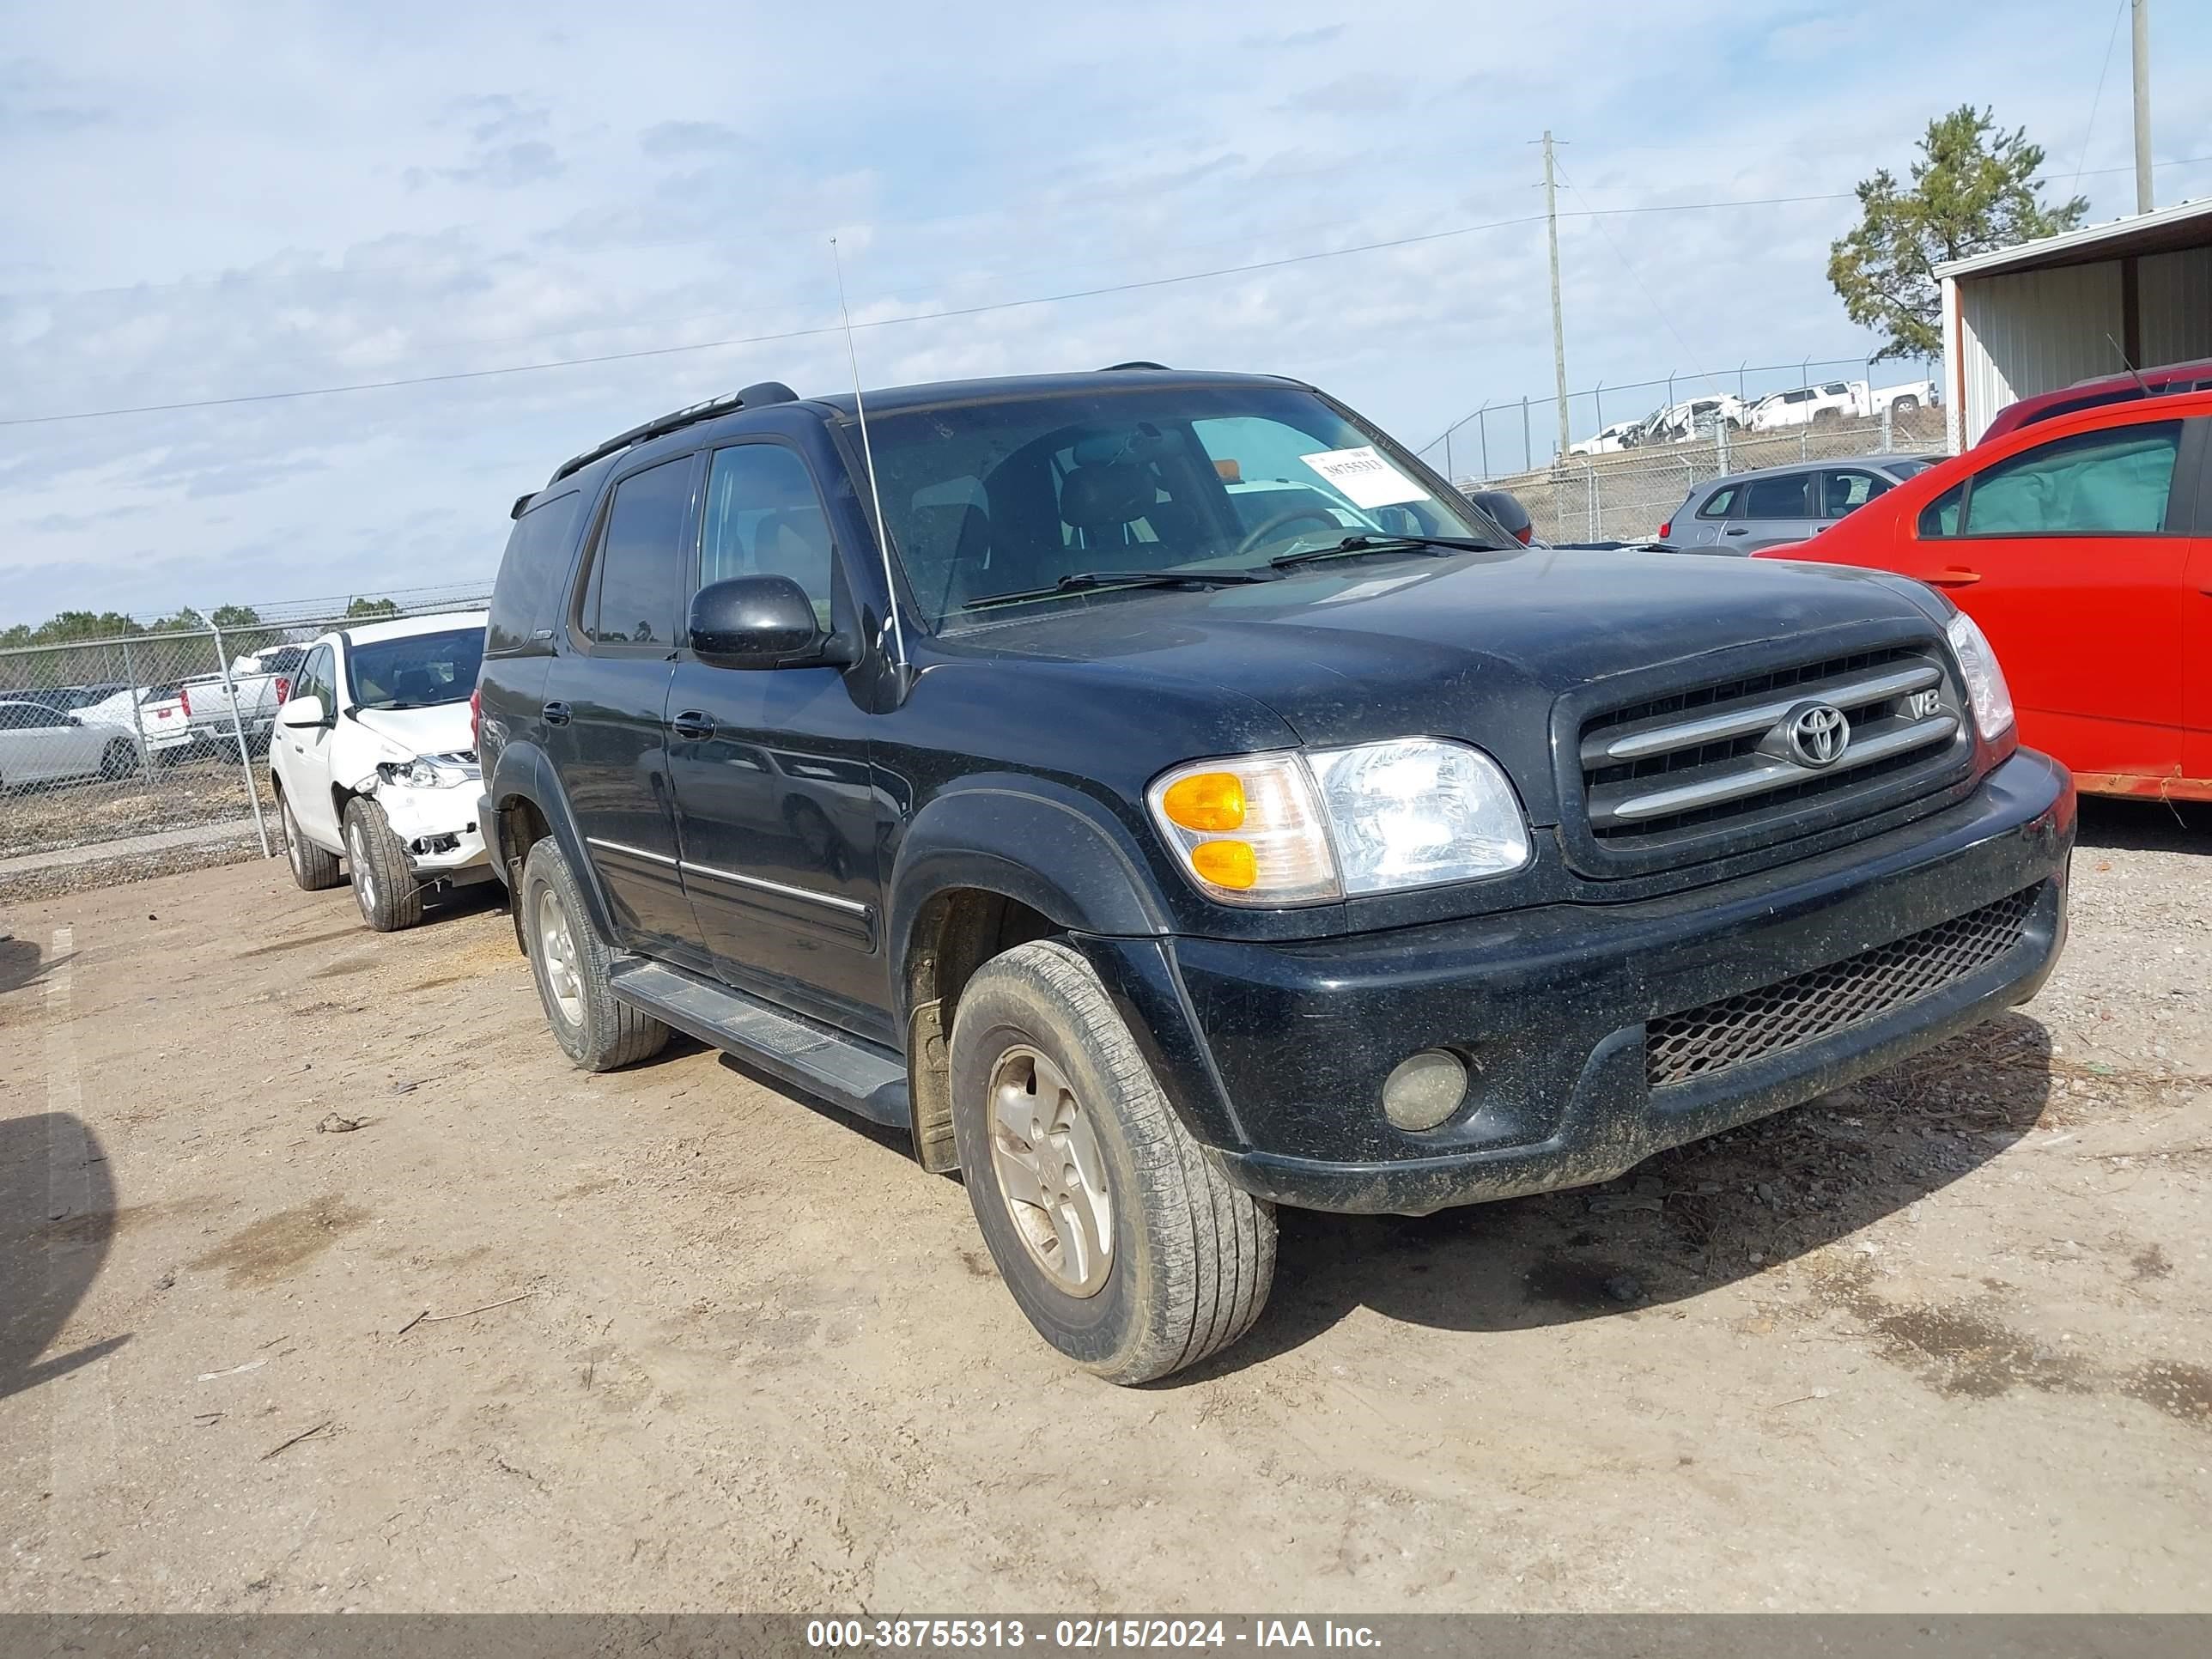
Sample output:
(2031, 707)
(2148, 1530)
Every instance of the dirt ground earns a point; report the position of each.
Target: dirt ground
(1939, 1342)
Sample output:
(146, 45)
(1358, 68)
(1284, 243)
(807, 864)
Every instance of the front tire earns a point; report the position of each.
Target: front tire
(315, 869)
(390, 897)
(1124, 1245)
(570, 963)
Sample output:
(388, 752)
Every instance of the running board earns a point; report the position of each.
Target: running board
(863, 1078)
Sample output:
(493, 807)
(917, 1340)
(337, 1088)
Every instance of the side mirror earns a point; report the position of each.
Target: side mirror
(762, 622)
(300, 712)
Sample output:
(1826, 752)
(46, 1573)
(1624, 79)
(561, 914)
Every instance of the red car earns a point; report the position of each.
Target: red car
(2082, 545)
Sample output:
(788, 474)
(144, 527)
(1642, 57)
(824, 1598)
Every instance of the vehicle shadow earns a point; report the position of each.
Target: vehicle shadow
(897, 1141)
(18, 963)
(475, 898)
(1685, 1222)
(2145, 826)
(49, 1162)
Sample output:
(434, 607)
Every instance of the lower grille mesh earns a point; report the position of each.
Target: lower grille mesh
(1699, 1041)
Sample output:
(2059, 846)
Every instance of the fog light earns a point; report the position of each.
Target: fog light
(1425, 1089)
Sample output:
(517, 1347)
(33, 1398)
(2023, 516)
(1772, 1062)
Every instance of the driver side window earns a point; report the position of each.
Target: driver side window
(764, 518)
(2109, 483)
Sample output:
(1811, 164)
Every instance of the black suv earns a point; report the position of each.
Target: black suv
(1190, 805)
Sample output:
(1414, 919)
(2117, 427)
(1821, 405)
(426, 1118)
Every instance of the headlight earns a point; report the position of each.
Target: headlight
(1986, 681)
(1289, 829)
(429, 772)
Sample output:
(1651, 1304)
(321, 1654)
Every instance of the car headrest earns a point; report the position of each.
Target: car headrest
(1106, 496)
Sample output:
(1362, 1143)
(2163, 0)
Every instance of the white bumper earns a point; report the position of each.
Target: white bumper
(438, 828)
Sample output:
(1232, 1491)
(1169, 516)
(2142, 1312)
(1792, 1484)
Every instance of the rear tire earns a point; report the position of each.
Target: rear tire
(314, 868)
(390, 897)
(117, 761)
(1046, 1078)
(570, 962)
(1905, 405)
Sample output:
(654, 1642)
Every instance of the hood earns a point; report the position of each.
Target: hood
(442, 729)
(1478, 647)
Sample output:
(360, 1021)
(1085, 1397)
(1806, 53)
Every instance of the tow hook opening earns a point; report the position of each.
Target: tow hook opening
(429, 846)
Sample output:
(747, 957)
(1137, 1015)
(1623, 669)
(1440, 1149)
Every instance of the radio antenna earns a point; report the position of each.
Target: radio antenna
(2119, 350)
(868, 457)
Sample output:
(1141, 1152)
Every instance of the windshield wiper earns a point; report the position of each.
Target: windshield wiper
(1083, 581)
(1351, 544)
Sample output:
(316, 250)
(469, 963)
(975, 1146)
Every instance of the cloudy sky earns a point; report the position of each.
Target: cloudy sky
(221, 200)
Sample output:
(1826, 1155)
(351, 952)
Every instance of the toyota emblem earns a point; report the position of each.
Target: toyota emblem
(1817, 733)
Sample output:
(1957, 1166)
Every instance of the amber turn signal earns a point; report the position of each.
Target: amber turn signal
(1226, 863)
(1207, 800)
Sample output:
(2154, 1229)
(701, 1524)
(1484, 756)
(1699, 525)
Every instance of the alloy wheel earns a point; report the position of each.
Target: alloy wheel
(1045, 1154)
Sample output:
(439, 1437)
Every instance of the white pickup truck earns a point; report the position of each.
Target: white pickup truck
(218, 711)
(1837, 400)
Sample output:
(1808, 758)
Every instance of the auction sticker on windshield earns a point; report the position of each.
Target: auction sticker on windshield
(1365, 478)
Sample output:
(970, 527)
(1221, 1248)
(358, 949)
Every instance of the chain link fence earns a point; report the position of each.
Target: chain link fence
(1628, 496)
(146, 745)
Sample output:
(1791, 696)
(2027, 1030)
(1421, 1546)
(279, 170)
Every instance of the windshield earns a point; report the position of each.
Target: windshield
(418, 671)
(1011, 497)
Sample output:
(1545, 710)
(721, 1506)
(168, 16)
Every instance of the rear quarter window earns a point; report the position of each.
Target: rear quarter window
(531, 573)
(1720, 503)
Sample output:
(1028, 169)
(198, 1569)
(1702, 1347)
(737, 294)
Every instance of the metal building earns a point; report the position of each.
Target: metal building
(2131, 294)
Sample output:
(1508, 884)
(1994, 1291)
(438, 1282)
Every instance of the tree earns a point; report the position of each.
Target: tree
(86, 625)
(370, 609)
(1974, 189)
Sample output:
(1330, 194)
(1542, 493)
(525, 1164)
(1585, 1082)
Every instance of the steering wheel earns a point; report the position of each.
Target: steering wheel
(1267, 531)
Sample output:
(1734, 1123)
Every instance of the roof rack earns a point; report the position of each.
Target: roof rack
(752, 396)
(1111, 368)
(675, 420)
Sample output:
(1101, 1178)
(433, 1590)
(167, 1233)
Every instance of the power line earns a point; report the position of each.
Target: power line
(454, 375)
(502, 371)
(2098, 96)
(1666, 320)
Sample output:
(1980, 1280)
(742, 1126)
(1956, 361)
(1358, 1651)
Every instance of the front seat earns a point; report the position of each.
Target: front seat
(1101, 501)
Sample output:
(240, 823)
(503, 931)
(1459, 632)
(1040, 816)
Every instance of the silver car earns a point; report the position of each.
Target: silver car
(1744, 512)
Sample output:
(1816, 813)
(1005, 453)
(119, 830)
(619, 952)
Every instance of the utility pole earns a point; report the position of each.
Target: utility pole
(2142, 108)
(1552, 230)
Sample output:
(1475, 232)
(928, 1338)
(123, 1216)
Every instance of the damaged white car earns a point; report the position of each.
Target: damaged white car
(375, 763)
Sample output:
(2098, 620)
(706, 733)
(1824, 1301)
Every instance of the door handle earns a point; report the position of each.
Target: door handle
(556, 713)
(1955, 578)
(1743, 530)
(693, 727)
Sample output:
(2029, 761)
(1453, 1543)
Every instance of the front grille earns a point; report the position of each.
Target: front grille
(1718, 757)
(1700, 1041)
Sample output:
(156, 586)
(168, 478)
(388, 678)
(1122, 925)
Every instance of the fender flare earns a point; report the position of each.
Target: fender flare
(523, 773)
(1062, 853)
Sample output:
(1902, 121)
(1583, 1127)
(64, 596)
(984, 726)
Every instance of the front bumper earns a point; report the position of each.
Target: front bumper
(1276, 1054)
(440, 829)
